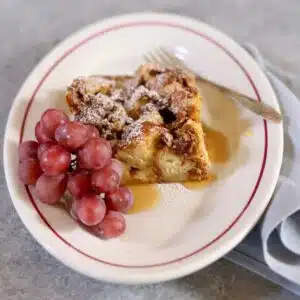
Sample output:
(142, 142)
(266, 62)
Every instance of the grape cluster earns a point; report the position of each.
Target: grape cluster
(71, 156)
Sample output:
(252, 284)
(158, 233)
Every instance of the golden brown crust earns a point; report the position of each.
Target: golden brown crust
(161, 139)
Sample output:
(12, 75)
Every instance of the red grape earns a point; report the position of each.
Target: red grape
(95, 154)
(93, 132)
(117, 166)
(43, 147)
(120, 200)
(40, 134)
(29, 170)
(49, 189)
(105, 180)
(71, 135)
(51, 119)
(70, 206)
(112, 226)
(79, 183)
(73, 211)
(55, 160)
(90, 209)
(28, 149)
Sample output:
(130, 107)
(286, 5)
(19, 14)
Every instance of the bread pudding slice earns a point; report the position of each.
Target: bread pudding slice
(152, 120)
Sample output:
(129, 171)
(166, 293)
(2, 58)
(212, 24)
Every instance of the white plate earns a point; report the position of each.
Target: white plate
(187, 230)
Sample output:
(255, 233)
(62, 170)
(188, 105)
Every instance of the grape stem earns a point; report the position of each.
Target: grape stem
(73, 165)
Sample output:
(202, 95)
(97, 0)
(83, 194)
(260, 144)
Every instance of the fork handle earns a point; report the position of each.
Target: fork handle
(259, 108)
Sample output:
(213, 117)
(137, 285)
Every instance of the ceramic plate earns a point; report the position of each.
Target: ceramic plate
(188, 228)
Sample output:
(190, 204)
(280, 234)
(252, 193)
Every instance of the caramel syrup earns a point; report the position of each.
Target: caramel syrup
(145, 196)
(217, 145)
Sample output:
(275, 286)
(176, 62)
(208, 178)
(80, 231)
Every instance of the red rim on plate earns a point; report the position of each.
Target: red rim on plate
(136, 24)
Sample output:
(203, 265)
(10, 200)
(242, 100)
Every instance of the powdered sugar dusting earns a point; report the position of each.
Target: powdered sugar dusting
(117, 95)
(107, 103)
(107, 115)
(140, 92)
(132, 131)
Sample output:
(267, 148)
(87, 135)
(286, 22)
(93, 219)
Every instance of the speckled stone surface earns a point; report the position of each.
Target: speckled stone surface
(28, 30)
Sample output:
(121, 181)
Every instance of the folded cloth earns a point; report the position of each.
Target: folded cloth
(280, 227)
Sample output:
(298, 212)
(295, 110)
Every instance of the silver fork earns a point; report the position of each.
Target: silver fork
(165, 58)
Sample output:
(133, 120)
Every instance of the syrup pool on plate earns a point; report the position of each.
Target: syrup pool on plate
(146, 196)
(217, 145)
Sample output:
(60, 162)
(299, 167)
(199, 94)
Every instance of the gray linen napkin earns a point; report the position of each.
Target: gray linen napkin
(280, 227)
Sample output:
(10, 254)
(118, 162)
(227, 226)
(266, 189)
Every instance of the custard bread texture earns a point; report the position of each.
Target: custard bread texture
(153, 120)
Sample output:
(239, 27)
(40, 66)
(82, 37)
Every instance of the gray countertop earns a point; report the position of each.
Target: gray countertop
(28, 30)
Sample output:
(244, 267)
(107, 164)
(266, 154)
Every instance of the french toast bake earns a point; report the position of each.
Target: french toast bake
(152, 119)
